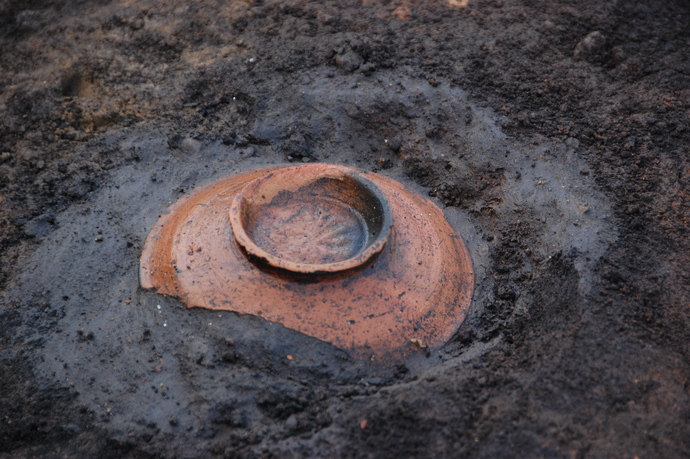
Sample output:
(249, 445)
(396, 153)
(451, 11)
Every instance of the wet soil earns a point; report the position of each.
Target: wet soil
(554, 135)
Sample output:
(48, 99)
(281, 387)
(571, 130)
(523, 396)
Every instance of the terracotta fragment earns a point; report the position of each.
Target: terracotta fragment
(350, 258)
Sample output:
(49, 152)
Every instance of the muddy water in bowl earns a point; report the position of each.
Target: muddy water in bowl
(353, 259)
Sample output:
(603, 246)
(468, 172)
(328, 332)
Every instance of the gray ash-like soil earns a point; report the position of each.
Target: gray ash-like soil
(555, 136)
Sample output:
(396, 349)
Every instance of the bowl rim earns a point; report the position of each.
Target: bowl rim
(292, 179)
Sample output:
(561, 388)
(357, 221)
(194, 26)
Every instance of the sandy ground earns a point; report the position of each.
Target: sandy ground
(555, 136)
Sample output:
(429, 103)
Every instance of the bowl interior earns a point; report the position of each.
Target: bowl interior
(313, 218)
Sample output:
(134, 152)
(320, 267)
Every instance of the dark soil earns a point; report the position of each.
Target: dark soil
(556, 135)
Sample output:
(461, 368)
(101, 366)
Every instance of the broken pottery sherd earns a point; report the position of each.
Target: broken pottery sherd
(353, 259)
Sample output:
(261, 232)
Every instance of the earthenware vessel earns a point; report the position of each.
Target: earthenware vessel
(354, 259)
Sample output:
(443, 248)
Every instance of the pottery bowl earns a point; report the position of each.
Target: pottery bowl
(317, 219)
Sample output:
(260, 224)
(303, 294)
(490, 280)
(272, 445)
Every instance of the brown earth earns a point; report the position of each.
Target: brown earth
(556, 134)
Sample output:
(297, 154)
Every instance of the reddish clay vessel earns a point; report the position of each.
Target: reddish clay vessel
(350, 258)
